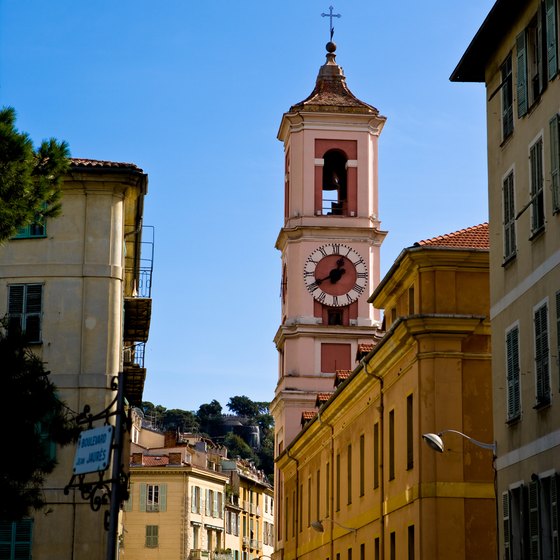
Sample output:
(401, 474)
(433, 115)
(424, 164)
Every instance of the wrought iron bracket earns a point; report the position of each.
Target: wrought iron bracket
(95, 487)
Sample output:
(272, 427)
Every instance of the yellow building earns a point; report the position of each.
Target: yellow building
(358, 481)
(515, 53)
(69, 283)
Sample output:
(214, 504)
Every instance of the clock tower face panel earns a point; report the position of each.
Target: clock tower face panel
(335, 275)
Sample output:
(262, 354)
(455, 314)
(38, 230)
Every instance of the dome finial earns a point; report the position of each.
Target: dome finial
(330, 15)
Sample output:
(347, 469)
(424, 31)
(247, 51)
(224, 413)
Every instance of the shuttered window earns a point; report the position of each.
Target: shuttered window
(16, 539)
(152, 536)
(542, 356)
(506, 525)
(512, 373)
(555, 161)
(534, 521)
(521, 75)
(551, 39)
(153, 497)
(555, 525)
(537, 194)
(509, 218)
(25, 303)
(507, 98)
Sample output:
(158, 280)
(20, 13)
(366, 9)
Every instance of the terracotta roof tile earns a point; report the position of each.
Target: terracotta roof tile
(475, 237)
(102, 164)
(155, 461)
(308, 414)
(322, 398)
(341, 376)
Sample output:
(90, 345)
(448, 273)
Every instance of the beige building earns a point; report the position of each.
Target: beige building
(76, 286)
(189, 502)
(358, 481)
(515, 53)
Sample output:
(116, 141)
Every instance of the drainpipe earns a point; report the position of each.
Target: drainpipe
(297, 499)
(381, 444)
(331, 493)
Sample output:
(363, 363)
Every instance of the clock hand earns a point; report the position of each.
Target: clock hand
(334, 275)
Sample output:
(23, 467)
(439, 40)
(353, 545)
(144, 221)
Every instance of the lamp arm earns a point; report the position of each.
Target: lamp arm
(491, 446)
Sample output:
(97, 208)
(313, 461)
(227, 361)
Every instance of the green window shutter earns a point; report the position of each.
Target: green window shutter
(541, 355)
(193, 499)
(128, 503)
(506, 525)
(551, 38)
(555, 161)
(521, 75)
(512, 369)
(555, 529)
(162, 497)
(143, 491)
(534, 521)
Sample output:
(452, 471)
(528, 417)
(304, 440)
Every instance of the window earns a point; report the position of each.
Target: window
(522, 101)
(334, 191)
(195, 499)
(376, 549)
(152, 536)
(362, 464)
(318, 495)
(376, 455)
(537, 192)
(411, 300)
(393, 546)
(25, 303)
(349, 474)
(208, 502)
(363, 551)
(36, 229)
(555, 161)
(512, 374)
(349, 554)
(16, 539)
(391, 445)
(153, 497)
(196, 536)
(507, 97)
(534, 45)
(335, 356)
(542, 372)
(409, 432)
(411, 542)
(510, 248)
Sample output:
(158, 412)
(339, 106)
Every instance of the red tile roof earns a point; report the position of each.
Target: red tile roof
(341, 375)
(322, 398)
(102, 164)
(155, 461)
(308, 415)
(475, 237)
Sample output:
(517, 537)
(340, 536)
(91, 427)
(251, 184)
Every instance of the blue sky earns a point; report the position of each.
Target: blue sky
(193, 93)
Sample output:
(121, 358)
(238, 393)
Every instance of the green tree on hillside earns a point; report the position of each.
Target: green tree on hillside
(38, 420)
(30, 179)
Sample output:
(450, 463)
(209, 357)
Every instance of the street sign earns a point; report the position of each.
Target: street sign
(94, 450)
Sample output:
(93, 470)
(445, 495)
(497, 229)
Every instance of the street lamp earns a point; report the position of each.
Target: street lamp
(318, 526)
(435, 442)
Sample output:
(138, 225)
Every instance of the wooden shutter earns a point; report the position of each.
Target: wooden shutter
(208, 502)
(512, 369)
(534, 521)
(143, 492)
(554, 527)
(551, 39)
(555, 161)
(162, 497)
(128, 503)
(521, 45)
(506, 525)
(541, 355)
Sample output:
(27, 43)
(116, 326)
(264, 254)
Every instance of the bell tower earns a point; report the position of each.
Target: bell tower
(330, 243)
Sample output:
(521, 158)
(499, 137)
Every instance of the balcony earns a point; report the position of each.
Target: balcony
(198, 554)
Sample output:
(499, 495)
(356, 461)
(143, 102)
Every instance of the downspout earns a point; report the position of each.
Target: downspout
(381, 445)
(297, 499)
(331, 493)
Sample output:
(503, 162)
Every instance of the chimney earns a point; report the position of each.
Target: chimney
(175, 459)
(136, 459)
(170, 439)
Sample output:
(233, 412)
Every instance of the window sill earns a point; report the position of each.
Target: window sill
(537, 233)
(514, 420)
(509, 260)
(506, 140)
(542, 404)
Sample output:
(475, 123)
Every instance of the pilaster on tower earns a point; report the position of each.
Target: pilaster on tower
(330, 243)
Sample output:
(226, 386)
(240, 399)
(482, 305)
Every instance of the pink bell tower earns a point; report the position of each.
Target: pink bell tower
(330, 243)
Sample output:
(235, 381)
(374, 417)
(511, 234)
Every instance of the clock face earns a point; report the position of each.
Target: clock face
(335, 274)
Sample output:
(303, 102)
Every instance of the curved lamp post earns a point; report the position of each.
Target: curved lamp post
(435, 442)
(318, 526)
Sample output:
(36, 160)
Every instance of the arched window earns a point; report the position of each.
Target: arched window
(334, 188)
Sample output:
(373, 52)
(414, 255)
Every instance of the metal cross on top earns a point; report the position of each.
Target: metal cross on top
(330, 15)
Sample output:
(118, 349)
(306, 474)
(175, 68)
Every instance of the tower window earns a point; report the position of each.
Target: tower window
(335, 316)
(334, 188)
